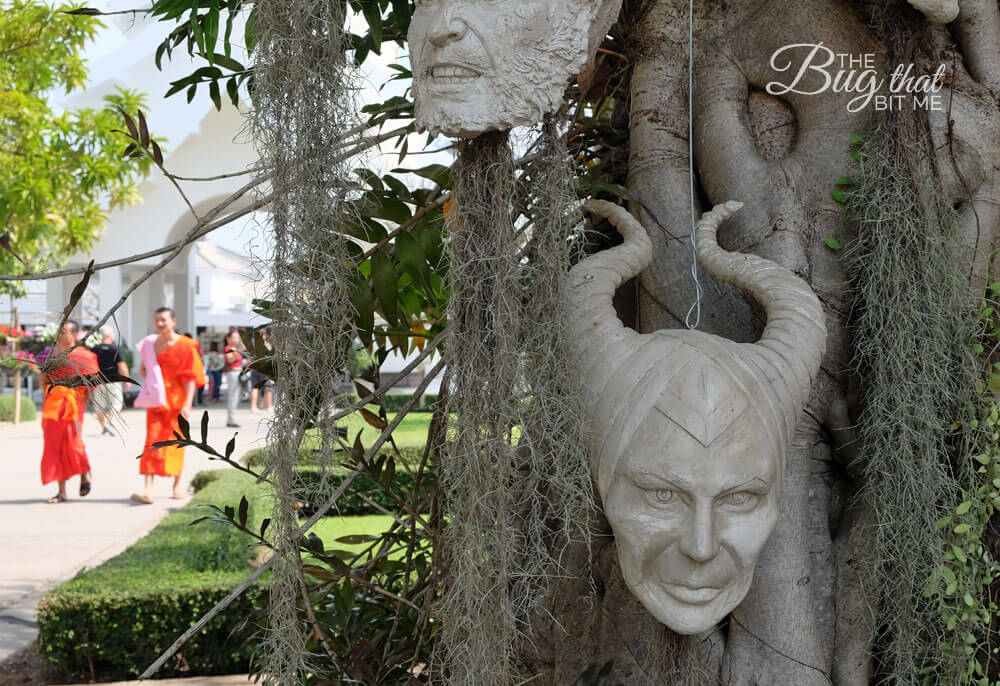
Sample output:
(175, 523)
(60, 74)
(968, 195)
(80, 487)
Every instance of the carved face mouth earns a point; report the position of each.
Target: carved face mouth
(452, 74)
(690, 595)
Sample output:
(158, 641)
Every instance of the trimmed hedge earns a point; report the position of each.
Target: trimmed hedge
(28, 410)
(352, 503)
(111, 622)
(394, 402)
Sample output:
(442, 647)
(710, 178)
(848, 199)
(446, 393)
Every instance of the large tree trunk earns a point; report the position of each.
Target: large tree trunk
(805, 620)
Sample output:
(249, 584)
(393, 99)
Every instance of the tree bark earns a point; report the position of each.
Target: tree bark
(806, 620)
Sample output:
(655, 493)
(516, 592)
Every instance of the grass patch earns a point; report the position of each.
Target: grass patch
(28, 409)
(110, 622)
(410, 436)
(411, 432)
(329, 529)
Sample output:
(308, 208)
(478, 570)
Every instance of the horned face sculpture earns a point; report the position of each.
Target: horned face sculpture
(490, 65)
(689, 431)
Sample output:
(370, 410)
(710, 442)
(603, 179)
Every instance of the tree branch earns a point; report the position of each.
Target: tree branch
(200, 230)
(320, 512)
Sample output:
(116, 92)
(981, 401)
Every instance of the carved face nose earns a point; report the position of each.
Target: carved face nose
(446, 28)
(700, 542)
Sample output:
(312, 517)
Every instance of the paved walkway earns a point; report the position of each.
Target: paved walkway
(42, 544)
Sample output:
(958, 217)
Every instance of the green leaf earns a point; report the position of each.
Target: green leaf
(438, 173)
(196, 29)
(844, 181)
(959, 555)
(372, 418)
(204, 427)
(384, 282)
(363, 301)
(211, 22)
(227, 45)
(963, 508)
(373, 15)
(833, 243)
(232, 89)
(213, 92)
(228, 62)
(411, 258)
(250, 31)
(962, 529)
(839, 196)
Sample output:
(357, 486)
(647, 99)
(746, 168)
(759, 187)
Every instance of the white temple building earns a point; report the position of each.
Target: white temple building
(207, 285)
(212, 283)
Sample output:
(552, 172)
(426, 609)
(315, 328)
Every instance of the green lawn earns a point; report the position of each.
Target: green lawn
(329, 529)
(411, 432)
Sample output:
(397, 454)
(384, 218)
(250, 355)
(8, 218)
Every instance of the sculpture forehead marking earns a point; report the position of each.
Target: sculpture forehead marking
(702, 400)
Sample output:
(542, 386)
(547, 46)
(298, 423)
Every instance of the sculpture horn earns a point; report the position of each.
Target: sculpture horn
(794, 339)
(594, 324)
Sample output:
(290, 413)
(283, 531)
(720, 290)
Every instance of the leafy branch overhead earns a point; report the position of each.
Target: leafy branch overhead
(60, 169)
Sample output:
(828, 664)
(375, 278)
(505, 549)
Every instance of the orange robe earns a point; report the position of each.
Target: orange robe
(64, 455)
(180, 363)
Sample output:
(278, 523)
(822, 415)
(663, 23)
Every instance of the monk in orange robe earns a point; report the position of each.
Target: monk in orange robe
(179, 369)
(64, 455)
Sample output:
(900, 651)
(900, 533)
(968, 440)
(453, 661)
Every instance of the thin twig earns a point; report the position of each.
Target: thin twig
(206, 618)
(431, 347)
(205, 229)
(217, 177)
(317, 631)
(317, 515)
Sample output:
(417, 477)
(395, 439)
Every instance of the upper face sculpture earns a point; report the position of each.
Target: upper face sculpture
(691, 510)
(689, 431)
(485, 65)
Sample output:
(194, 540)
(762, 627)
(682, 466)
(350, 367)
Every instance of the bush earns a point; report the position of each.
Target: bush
(353, 501)
(204, 478)
(28, 410)
(394, 402)
(111, 622)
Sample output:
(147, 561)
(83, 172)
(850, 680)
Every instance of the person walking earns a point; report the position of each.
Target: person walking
(214, 363)
(109, 398)
(234, 366)
(171, 370)
(260, 384)
(64, 455)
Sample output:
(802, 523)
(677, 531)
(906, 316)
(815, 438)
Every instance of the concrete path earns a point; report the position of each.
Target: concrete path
(42, 544)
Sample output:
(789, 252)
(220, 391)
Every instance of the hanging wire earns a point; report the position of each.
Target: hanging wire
(695, 309)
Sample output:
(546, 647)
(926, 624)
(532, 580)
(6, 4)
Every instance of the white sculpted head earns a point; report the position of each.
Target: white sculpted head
(490, 65)
(689, 430)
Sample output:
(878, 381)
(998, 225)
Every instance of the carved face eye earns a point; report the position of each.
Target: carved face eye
(740, 500)
(662, 497)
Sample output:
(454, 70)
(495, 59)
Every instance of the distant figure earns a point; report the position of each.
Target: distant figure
(262, 382)
(234, 365)
(214, 363)
(64, 455)
(109, 398)
(171, 369)
(199, 394)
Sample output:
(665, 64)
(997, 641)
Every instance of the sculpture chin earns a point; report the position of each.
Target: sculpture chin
(686, 610)
(467, 109)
